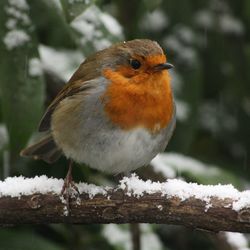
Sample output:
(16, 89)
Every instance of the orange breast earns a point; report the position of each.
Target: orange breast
(145, 101)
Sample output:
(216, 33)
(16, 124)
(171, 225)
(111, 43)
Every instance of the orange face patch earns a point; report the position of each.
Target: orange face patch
(139, 100)
(146, 67)
(156, 59)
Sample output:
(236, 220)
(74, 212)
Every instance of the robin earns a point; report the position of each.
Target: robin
(115, 114)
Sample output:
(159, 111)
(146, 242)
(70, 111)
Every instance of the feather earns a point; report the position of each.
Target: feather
(45, 149)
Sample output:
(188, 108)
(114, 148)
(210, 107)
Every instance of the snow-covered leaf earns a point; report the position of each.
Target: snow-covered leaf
(73, 8)
(95, 29)
(172, 165)
(22, 88)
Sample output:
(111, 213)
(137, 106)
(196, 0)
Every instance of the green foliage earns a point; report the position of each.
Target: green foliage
(22, 91)
(60, 36)
(73, 8)
(25, 240)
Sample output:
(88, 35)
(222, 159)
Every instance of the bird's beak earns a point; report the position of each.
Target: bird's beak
(163, 66)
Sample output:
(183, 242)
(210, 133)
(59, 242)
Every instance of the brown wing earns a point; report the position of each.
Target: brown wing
(80, 81)
(68, 90)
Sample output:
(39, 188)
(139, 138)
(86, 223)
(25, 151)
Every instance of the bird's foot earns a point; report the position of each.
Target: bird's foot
(68, 187)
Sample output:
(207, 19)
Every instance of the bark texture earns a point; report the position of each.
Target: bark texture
(117, 207)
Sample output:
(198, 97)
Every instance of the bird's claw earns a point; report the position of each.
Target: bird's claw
(67, 188)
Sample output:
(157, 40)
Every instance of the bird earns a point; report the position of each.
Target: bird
(115, 114)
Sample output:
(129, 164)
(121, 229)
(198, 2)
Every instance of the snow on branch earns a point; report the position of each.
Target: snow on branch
(38, 201)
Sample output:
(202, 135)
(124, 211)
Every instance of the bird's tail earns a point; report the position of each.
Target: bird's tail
(45, 149)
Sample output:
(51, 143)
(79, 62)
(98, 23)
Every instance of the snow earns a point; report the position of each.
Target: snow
(120, 237)
(58, 5)
(149, 239)
(226, 23)
(83, 26)
(161, 167)
(160, 207)
(117, 236)
(185, 34)
(154, 21)
(35, 67)
(18, 15)
(11, 23)
(132, 186)
(61, 62)
(243, 201)
(111, 24)
(204, 19)
(214, 117)
(172, 42)
(19, 4)
(101, 43)
(207, 118)
(79, 1)
(182, 110)
(231, 25)
(177, 81)
(15, 38)
(184, 53)
(91, 189)
(16, 12)
(93, 26)
(17, 186)
(175, 188)
(136, 187)
(237, 240)
(175, 162)
(188, 54)
(4, 137)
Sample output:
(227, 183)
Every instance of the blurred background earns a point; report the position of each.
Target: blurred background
(42, 43)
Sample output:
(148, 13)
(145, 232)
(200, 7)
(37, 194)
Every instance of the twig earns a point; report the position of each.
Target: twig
(135, 236)
(117, 207)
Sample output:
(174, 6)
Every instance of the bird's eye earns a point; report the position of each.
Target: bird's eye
(135, 64)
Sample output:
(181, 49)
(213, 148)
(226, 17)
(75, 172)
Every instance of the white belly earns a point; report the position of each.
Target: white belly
(117, 151)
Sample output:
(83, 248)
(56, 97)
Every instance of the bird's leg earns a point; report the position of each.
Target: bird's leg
(120, 176)
(68, 185)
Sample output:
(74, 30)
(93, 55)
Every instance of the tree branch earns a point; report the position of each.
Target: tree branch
(121, 205)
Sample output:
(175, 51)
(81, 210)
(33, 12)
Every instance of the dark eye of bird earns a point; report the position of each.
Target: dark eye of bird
(135, 64)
